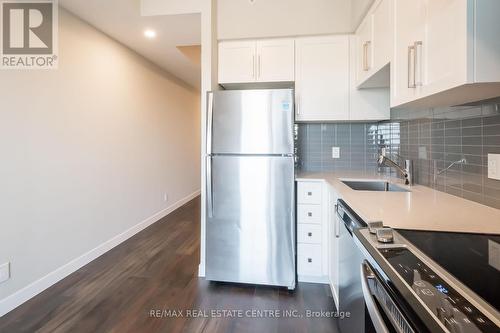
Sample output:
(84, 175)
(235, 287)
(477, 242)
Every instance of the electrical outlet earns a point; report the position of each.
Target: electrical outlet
(422, 152)
(494, 166)
(335, 152)
(165, 197)
(4, 272)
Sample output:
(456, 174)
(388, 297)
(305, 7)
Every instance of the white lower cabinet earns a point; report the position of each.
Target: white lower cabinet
(312, 237)
(333, 248)
(309, 261)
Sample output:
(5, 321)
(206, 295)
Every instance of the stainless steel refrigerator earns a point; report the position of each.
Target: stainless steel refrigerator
(250, 197)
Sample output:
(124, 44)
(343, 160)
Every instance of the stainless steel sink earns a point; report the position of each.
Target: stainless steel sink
(375, 186)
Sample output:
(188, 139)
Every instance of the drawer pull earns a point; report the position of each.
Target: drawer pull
(309, 193)
(310, 214)
(309, 260)
(309, 234)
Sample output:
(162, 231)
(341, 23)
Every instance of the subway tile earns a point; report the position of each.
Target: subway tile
(491, 130)
(453, 124)
(472, 122)
(472, 131)
(449, 132)
(472, 196)
(472, 140)
(494, 120)
(491, 140)
(453, 140)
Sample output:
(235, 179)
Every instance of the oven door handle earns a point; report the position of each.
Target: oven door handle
(377, 319)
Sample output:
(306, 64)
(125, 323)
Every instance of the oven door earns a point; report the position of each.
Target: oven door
(384, 313)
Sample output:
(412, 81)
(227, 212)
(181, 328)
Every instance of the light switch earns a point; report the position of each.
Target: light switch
(4, 272)
(494, 166)
(335, 152)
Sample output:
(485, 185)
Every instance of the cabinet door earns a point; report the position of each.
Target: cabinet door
(237, 62)
(276, 60)
(445, 45)
(364, 62)
(322, 78)
(367, 104)
(382, 18)
(409, 31)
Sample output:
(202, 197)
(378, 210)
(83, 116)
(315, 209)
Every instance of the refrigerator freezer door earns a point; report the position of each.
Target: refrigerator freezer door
(250, 223)
(252, 122)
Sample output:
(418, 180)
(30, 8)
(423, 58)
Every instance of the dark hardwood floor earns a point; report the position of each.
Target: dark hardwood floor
(157, 270)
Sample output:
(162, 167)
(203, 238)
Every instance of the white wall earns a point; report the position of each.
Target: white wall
(88, 150)
(272, 18)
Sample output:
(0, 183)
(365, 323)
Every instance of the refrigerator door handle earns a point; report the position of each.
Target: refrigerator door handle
(210, 108)
(210, 206)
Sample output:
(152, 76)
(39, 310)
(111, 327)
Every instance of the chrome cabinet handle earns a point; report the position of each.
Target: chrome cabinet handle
(411, 71)
(253, 65)
(297, 104)
(364, 56)
(377, 319)
(366, 64)
(417, 59)
(259, 65)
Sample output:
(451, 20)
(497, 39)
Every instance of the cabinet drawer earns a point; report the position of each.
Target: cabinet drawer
(309, 214)
(309, 233)
(309, 259)
(309, 193)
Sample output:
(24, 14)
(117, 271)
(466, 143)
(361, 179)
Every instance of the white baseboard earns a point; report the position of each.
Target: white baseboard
(201, 270)
(313, 279)
(13, 301)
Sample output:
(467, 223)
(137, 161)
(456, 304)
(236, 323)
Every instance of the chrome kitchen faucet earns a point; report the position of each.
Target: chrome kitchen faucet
(406, 171)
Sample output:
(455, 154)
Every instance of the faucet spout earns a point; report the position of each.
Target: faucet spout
(405, 171)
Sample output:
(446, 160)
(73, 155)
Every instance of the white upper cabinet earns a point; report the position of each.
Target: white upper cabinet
(367, 104)
(237, 62)
(446, 52)
(382, 21)
(409, 33)
(322, 78)
(253, 61)
(276, 60)
(444, 46)
(374, 39)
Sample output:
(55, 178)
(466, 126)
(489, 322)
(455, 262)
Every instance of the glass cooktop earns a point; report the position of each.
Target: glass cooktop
(473, 259)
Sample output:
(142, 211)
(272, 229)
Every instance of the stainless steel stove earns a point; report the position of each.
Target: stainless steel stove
(431, 281)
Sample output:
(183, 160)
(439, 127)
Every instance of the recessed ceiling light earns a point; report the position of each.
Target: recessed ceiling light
(149, 33)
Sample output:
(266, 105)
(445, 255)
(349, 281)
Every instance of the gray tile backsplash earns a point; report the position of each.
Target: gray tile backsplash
(432, 138)
(436, 138)
(359, 145)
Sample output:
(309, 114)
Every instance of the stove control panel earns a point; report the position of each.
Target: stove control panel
(455, 312)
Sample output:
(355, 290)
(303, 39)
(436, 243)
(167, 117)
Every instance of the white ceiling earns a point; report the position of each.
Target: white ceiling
(122, 20)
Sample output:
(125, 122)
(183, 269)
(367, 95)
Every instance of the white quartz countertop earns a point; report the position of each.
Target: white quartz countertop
(421, 209)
